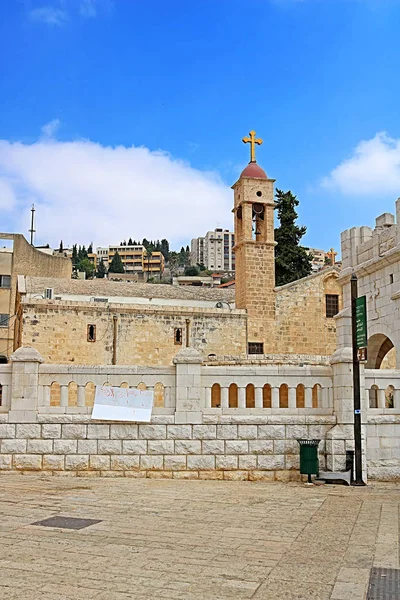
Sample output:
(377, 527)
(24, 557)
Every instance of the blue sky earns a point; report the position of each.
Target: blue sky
(124, 118)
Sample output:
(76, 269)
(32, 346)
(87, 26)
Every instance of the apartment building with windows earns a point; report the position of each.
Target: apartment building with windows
(135, 259)
(214, 250)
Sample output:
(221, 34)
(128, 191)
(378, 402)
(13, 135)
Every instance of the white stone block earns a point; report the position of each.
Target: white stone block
(109, 447)
(40, 447)
(51, 431)
(152, 432)
(65, 446)
(213, 447)
(100, 463)
(286, 447)
(27, 462)
(28, 431)
(134, 447)
(297, 432)
(226, 462)
(53, 462)
(247, 432)
(160, 447)
(227, 432)
(74, 432)
(204, 432)
(271, 432)
(13, 446)
(175, 462)
(247, 462)
(271, 463)
(236, 447)
(200, 462)
(7, 431)
(77, 462)
(98, 432)
(261, 446)
(148, 463)
(87, 446)
(187, 447)
(5, 461)
(179, 432)
(124, 463)
(123, 432)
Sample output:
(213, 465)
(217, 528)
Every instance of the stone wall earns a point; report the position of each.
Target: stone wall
(144, 335)
(301, 325)
(219, 447)
(383, 447)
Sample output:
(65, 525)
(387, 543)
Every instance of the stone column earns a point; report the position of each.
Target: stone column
(24, 385)
(190, 398)
(259, 397)
(225, 397)
(341, 437)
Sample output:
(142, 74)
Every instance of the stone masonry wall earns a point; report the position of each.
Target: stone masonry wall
(145, 336)
(219, 447)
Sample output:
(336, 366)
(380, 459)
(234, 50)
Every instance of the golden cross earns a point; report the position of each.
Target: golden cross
(332, 254)
(252, 141)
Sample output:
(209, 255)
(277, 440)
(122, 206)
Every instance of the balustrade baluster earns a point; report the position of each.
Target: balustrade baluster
(308, 397)
(225, 397)
(275, 397)
(259, 397)
(81, 395)
(64, 395)
(208, 397)
(292, 397)
(242, 397)
(381, 399)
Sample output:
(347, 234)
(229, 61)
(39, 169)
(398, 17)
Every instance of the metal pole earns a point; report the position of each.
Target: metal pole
(114, 355)
(32, 231)
(356, 386)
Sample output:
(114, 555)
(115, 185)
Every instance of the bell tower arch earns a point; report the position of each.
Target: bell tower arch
(255, 252)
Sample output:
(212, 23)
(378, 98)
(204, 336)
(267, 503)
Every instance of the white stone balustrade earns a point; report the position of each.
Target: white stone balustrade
(382, 391)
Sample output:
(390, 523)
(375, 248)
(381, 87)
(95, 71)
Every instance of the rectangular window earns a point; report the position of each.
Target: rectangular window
(5, 281)
(332, 305)
(91, 333)
(178, 336)
(255, 348)
(391, 278)
(3, 320)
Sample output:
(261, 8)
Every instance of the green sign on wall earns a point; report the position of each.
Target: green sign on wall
(361, 322)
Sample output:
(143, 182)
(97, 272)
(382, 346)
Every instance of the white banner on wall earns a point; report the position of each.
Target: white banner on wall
(122, 404)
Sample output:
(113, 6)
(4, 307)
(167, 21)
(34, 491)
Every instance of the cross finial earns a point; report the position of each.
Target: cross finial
(332, 255)
(252, 141)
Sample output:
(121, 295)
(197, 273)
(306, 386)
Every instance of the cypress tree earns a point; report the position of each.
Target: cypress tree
(116, 265)
(291, 260)
(101, 270)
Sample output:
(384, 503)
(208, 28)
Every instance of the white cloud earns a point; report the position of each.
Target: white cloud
(84, 191)
(50, 15)
(50, 129)
(87, 8)
(373, 169)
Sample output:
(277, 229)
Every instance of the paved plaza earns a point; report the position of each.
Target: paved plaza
(193, 539)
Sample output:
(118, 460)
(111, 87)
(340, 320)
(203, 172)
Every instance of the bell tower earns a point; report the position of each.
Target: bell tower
(255, 252)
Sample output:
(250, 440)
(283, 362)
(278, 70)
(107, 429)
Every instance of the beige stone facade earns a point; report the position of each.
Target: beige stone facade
(20, 258)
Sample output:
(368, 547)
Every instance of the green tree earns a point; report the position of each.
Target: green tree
(90, 248)
(148, 256)
(61, 248)
(74, 255)
(101, 270)
(164, 247)
(130, 242)
(291, 260)
(116, 265)
(192, 271)
(87, 267)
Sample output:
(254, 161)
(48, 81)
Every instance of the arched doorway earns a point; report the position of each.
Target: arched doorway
(381, 352)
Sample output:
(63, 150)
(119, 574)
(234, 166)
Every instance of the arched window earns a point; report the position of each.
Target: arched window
(389, 397)
(250, 396)
(373, 396)
(72, 394)
(216, 395)
(267, 396)
(55, 394)
(284, 396)
(300, 396)
(124, 385)
(142, 386)
(233, 395)
(90, 390)
(159, 395)
(316, 395)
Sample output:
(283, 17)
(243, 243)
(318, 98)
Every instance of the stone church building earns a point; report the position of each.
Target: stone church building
(102, 322)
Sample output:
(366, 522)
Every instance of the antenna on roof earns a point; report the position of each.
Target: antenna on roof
(32, 230)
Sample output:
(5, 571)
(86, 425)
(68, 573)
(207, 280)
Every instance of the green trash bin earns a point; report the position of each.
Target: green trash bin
(309, 457)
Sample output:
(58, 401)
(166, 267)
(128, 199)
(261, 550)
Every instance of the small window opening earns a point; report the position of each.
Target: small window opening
(391, 279)
(255, 348)
(259, 194)
(1, 395)
(91, 333)
(178, 336)
(332, 305)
